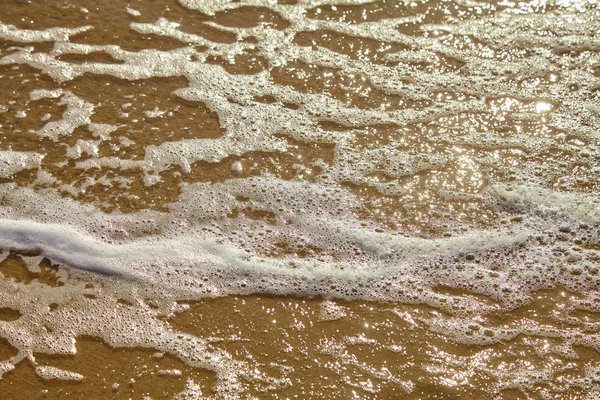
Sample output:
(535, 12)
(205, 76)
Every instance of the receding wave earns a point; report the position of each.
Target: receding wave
(346, 150)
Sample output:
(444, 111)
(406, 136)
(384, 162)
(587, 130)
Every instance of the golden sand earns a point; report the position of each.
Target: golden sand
(317, 348)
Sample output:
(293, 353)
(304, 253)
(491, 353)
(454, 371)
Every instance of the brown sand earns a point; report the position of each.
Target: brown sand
(353, 356)
(382, 351)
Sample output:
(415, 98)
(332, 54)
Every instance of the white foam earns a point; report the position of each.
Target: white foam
(542, 232)
(12, 162)
(49, 372)
(133, 12)
(308, 212)
(11, 32)
(329, 311)
(77, 114)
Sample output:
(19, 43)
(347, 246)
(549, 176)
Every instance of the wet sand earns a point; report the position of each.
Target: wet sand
(304, 347)
(375, 350)
(329, 349)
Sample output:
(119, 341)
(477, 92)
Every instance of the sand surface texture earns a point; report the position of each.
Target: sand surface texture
(328, 199)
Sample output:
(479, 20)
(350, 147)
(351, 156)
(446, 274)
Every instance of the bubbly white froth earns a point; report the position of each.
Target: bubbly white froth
(451, 137)
(250, 126)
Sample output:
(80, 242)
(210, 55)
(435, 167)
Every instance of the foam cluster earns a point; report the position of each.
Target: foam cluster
(319, 152)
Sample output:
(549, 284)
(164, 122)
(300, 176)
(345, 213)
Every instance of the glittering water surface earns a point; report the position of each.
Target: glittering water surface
(416, 184)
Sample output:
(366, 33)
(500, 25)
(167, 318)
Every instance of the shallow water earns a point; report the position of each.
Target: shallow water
(299, 199)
